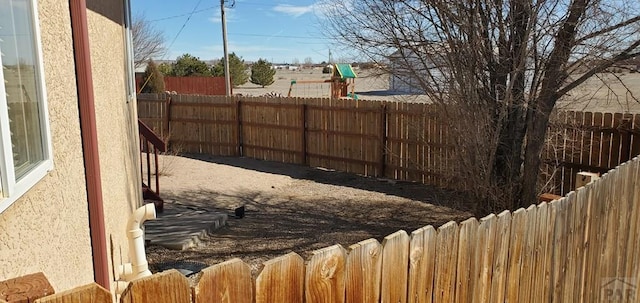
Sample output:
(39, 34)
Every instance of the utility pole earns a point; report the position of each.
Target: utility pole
(227, 76)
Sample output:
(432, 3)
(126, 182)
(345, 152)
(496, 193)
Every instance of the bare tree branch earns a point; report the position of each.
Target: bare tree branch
(494, 68)
(148, 41)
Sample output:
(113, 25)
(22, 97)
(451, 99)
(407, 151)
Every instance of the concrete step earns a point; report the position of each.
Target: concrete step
(182, 226)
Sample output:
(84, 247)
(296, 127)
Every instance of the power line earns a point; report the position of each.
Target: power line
(185, 14)
(280, 36)
(206, 9)
(183, 26)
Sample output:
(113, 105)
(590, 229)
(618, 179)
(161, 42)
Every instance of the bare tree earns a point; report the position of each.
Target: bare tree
(148, 41)
(308, 61)
(495, 68)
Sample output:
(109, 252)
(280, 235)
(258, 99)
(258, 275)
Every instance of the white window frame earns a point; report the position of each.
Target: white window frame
(129, 56)
(10, 189)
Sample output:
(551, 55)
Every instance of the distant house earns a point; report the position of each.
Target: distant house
(410, 72)
(69, 147)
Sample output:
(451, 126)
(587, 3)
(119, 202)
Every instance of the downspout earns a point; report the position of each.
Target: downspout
(138, 267)
(84, 81)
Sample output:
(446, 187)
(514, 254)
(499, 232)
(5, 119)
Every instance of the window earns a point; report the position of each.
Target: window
(25, 147)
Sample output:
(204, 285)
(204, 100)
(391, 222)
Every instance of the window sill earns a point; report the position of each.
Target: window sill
(24, 185)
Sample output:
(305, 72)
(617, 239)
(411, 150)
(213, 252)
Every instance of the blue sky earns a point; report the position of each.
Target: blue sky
(279, 31)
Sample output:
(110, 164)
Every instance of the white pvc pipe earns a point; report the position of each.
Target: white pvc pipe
(138, 267)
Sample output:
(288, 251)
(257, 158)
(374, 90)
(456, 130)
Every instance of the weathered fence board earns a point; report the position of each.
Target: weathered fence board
(325, 276)
(422, 260)
(229, 281)
(484, 255)
(91, 293)
(168, 286)
(528, 254)
(559, 248)
(281, 280)
(466, 264)
(446, 258)
(516, 247)
(364, 266)
(542, 257)
(395, 264)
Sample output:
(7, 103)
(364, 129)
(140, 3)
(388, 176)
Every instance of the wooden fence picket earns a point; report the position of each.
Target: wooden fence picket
(422, 253)
(501, 257)
(445, 271)
(91, 293)
(169, 286)
(325, 276)
(484, 255)
(395, 264)
(559, 261)
(516, 249)
(281, 280)
(364, 267)
(466, 264)
(633, 249)
(229, 281)
(541, 256)
(528, 254)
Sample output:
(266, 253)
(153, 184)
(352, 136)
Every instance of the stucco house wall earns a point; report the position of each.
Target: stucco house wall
(47, 229)
(116, 121)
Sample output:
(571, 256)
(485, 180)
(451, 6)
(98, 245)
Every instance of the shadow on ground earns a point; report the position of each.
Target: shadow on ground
(404, 189)
(298, 218)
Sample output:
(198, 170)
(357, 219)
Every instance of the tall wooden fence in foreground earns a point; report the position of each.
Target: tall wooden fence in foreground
(582, 248)
(404, 141)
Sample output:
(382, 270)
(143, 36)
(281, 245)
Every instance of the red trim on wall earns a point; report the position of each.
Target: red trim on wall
(88, 129)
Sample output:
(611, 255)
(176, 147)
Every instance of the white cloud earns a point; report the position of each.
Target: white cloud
(217, 18)
(319, 8)
(292, 10)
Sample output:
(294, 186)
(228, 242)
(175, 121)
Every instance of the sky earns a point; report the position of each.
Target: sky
(280, 31)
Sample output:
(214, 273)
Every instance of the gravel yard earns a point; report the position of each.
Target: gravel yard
(294, 208)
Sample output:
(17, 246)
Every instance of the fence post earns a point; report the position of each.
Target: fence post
(303, 129)
(167, 121)
(383, 140)
(625, 138)
(239, 127)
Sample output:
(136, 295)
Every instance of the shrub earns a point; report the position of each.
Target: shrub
(262, 73)
(237, 70)
(153, 80)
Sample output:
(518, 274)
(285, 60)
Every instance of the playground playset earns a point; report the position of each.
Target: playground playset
(342, 78)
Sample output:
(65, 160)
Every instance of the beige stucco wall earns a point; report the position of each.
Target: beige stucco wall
(48, 228)
(116, 121)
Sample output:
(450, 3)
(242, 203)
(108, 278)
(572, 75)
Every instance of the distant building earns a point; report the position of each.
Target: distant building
(406, 75)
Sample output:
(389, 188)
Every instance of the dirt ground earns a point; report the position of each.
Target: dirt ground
(291, 208)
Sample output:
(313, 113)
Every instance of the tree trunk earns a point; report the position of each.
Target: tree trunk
(537, 132)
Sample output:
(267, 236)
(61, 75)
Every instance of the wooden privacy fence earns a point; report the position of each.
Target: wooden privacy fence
(586, 141)
(397, 140)
(582, 248)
